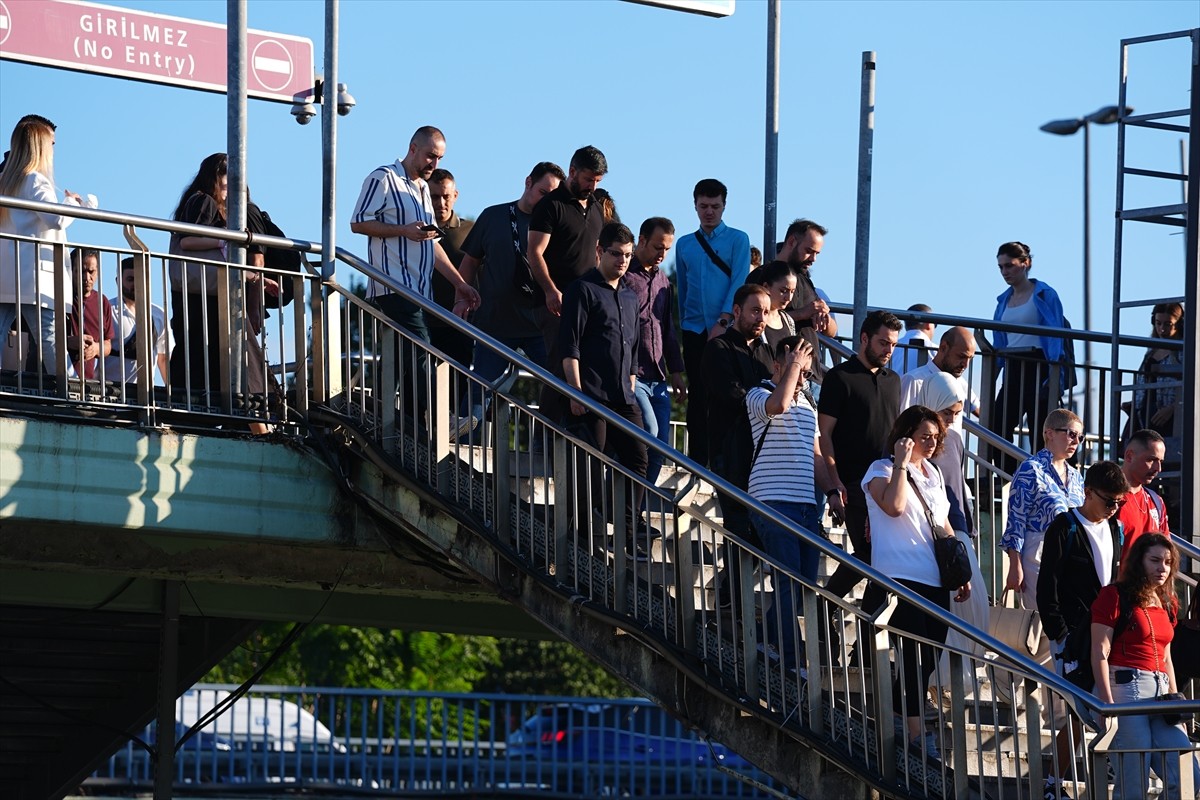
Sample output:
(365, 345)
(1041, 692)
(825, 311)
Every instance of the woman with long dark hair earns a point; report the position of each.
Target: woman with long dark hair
(1133, 624)
(195, 316)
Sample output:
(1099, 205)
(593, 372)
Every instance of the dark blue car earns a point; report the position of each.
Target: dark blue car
(622, 750)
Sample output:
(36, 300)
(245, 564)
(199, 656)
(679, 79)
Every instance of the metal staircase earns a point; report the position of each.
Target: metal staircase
(1166, 198)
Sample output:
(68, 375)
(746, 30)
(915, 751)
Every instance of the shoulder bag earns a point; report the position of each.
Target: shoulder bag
(954, 565)
(1018, 627)
(712, 255)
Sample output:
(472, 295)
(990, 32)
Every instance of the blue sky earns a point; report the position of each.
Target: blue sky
(960, 165)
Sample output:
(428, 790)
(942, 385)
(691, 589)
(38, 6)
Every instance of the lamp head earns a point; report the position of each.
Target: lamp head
(1107, 115)
(1063, 127)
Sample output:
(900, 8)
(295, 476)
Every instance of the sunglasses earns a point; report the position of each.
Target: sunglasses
(1110, 502)
(1074, 436)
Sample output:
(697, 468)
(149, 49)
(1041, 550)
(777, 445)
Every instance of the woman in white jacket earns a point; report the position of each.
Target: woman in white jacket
(28, 284)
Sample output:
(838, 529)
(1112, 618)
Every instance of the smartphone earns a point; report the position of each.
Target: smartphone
(439, 231)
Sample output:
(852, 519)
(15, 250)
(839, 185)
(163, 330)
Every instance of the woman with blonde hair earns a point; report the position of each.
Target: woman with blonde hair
(28, 285)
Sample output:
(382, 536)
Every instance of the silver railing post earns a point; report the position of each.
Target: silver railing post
(502, 471)
(564, 504)
(62, 289)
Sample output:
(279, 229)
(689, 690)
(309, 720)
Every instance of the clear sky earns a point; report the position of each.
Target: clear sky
(960, 165)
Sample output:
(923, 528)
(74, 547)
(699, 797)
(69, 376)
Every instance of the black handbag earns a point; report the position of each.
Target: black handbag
(954, 565)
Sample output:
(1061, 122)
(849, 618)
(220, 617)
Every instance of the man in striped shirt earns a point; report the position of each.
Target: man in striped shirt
(395, 211)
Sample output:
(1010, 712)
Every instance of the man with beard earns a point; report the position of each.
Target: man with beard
(492, 254)
(90, 321)
(809, 306)
(710, 265)
(564, 229)
(443, 191)
(734, 363)
(658, 352)
(859, 402)
(395, 212)
(1144, 510)
(122, 365)
(563, 232)
(953, 356)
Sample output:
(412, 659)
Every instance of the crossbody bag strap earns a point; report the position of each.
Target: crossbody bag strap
(933, 529)
(516, 240)
(712, 255)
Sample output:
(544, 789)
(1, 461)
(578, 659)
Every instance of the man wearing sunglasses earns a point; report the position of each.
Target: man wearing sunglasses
(1081, 554)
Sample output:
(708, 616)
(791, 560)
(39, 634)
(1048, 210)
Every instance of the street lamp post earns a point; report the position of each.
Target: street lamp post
(1067, 127)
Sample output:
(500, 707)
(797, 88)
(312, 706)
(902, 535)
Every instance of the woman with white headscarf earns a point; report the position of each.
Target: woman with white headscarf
(945, 394)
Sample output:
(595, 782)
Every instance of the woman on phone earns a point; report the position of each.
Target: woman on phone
(906, 498)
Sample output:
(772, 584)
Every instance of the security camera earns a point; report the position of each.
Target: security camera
(303, 112)
(345, 100)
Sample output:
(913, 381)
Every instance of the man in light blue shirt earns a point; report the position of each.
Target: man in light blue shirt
(710, 265)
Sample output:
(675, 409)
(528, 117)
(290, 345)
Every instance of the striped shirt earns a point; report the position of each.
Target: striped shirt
(389, 195)
(784, 467)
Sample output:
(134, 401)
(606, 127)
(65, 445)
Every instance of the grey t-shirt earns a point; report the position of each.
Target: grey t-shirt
(500, 312)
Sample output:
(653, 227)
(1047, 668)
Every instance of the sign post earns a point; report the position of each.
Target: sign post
(138, 45)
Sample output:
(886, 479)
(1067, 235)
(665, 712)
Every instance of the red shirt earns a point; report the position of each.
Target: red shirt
(1140, 515)
(1135, 648)
(97, 321)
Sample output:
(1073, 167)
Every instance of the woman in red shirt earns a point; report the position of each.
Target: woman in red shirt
(1135, 663)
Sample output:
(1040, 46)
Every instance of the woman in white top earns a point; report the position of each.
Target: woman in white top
(28, 284)
(905, 496)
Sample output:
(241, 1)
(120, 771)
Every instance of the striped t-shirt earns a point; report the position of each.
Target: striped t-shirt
(389, 195)
(784, 467)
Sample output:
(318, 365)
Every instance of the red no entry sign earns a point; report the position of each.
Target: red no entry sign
(151, 47)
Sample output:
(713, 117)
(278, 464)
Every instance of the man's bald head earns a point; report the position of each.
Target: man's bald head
(955, 351)
(425, 152)
(425, 135)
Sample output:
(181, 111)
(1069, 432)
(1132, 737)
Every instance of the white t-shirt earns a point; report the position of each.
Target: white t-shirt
(116, 366)
(901, 546)
(1100, 536)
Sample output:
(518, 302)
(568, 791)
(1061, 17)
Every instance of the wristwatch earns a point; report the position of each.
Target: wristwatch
(725, 322)
(832, 492)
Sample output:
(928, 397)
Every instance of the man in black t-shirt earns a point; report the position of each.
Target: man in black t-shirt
(809, 305)
(860, 401)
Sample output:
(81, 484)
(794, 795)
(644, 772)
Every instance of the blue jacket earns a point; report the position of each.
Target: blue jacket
(1050, 314)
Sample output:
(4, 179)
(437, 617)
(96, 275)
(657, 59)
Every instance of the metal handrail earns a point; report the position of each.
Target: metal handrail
(1045, 677)
(979, 323)
(169, 226)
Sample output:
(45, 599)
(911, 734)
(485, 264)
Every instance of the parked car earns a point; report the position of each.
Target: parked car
(620, 750)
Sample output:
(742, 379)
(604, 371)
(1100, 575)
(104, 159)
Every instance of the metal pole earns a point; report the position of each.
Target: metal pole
(1087, 274)
(1189, 483)
(331, 352)
(771, 178)
(862, 234)
(168, 690)
(236, 203)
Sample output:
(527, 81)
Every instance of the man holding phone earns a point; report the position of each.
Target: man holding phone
(395, 211)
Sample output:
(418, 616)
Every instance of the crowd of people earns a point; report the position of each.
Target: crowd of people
(555, 274)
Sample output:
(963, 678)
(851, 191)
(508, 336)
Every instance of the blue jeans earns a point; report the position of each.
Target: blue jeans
(788, 549)
(1134, 733)
(37, 320)
(490, 365)
(654, 398)
(413, 384)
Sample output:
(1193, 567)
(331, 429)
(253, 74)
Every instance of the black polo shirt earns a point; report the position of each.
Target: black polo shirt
(600, 328)
(573, 231)
(865, 405)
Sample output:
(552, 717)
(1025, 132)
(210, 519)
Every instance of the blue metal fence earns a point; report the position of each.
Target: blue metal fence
(429, 743)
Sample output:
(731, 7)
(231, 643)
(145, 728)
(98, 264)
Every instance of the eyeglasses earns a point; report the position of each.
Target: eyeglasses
(1074, 436)
(619, 255)
(1110, 502)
